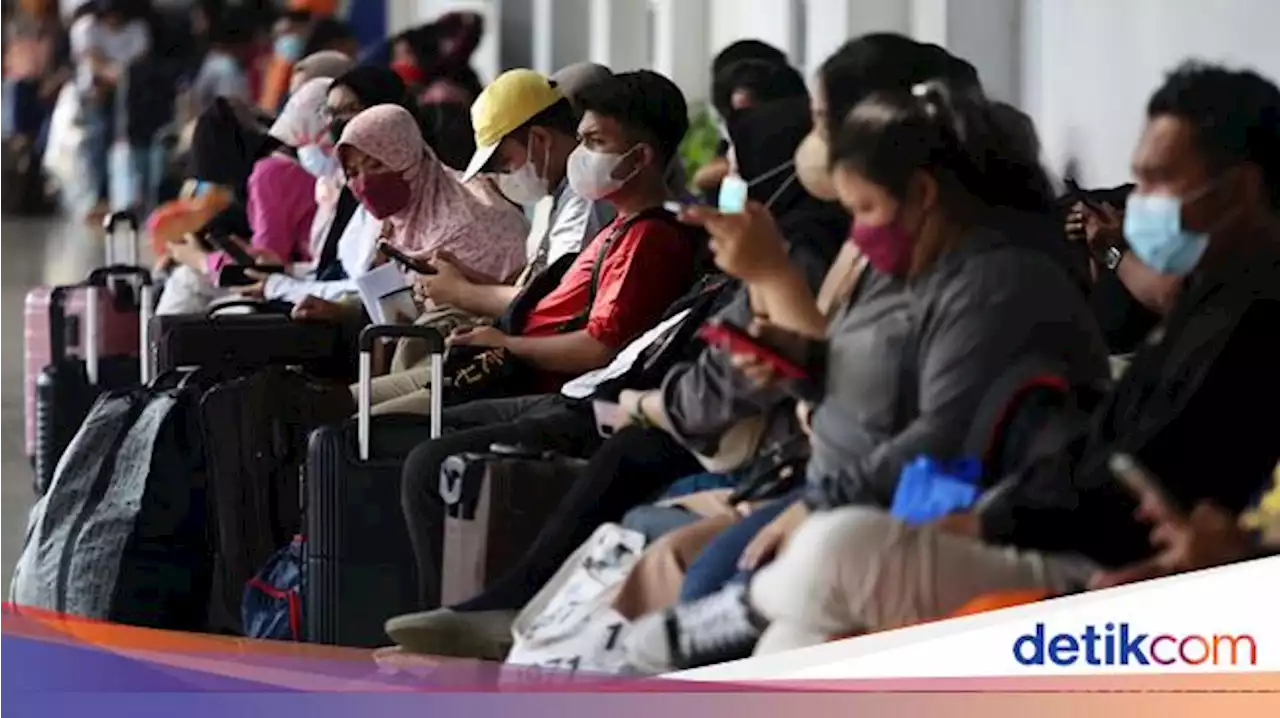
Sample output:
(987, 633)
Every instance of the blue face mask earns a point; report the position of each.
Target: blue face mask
(1154, 231)
(316, 161)
(289, 47)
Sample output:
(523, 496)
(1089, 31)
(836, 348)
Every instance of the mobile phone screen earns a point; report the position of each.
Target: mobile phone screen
(735, 340)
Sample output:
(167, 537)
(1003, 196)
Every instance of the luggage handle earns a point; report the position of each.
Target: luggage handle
(435, 347)
(109, 226)
(93, 322)
(101, 276)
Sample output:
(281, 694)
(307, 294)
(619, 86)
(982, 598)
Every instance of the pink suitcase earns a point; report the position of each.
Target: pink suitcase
(118, 292)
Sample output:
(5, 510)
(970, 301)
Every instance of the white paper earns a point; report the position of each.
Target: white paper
(585, 385)
(376, 284)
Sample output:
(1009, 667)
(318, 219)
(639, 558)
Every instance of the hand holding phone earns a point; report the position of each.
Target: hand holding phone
(609, 416)
(737, 341)
(390, 251)
(1144, 485)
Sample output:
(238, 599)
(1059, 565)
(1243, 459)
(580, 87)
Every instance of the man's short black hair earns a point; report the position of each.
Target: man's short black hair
(888, 61)
(559, 117)
(746, 50)
(643, 101)
(1235, 115)
(765, 81)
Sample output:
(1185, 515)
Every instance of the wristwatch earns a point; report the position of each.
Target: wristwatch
(1111, 255)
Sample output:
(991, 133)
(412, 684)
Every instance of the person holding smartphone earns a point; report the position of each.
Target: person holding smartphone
(960, 287)
(1193, 407)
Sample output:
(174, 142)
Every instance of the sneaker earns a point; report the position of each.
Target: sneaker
(460, 634)
(721, 627)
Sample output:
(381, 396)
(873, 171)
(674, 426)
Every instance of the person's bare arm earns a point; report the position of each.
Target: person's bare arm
(489, 300)
(785, 298)
(571, 353)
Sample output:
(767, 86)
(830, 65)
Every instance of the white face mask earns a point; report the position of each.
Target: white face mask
(591, 173)
(525, 186)
(316, 161)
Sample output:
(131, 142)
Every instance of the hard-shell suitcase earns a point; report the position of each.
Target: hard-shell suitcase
(81, 341)
(256, 427)
(360, 568)
(265, 336)
(495, 505)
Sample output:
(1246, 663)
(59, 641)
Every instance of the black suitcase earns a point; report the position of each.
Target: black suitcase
(360, 568)
(265, 336)
(67, 387)
(495, 505)
(255, 435)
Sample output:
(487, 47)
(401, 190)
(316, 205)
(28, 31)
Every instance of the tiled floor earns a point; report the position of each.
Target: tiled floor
(35, 252)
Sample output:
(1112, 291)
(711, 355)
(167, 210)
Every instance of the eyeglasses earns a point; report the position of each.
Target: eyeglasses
(344, 112)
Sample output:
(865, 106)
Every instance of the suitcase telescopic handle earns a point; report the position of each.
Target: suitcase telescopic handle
(435, 347)
(110, 224)
(101, 276)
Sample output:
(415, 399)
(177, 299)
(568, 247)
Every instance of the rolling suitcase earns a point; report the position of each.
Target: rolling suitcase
(93, 334)
(265, 336)
(495, 505)
(256, 428)
(360, 568)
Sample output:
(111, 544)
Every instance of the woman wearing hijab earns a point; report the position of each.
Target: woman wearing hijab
(343, 233)
(326, 63)
(398, 178)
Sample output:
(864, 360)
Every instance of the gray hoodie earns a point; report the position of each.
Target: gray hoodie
(909, 364)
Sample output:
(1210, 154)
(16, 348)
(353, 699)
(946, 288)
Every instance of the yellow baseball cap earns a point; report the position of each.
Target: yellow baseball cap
(506, 104)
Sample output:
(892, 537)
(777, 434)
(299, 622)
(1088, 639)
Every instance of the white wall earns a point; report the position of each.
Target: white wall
(1089, 67)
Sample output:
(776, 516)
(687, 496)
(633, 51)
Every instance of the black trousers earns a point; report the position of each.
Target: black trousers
(628, 469)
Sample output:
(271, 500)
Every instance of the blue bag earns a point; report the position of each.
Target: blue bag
(930, 489)
(272, 603)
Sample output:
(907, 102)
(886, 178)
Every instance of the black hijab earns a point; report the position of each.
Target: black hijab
(373, 85)
(226, 143)
(765, 139)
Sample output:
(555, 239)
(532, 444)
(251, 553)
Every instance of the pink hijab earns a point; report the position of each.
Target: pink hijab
(442, 215)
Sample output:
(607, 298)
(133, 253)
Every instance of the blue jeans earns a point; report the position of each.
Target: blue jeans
(717, 565)
(656, 521)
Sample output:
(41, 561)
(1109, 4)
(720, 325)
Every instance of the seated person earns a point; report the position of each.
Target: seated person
(700, 392)
(576, 324)
(1202, 379)
(279, 201)
(709, 176)
(397, 177)
(526, 131)
(343, 233)
(952, 298)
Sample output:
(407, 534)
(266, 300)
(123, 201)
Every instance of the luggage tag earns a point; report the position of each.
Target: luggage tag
(930, 489)
(733, 195)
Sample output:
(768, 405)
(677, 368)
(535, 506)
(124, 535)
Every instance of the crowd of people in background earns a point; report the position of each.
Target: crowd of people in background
(901, 247)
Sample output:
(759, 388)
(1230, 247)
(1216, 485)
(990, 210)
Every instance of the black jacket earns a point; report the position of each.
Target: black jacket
(1196, 406)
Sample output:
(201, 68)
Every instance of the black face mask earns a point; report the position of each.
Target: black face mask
(335, 129)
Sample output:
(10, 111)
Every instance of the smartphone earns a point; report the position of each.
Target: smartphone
(233, 249)
(1140, 482)
(608, 416)
(235, 275)
(733, 195)
(736, 340)
(414, 265)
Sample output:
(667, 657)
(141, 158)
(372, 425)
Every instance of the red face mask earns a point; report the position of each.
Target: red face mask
(887, 247)
(383, 194)
(409, 72)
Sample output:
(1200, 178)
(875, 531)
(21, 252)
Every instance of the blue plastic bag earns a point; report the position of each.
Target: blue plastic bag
(929, 489)
(272, 603)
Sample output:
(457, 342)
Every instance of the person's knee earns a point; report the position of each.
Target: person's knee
(420, 478)
(806, 583)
